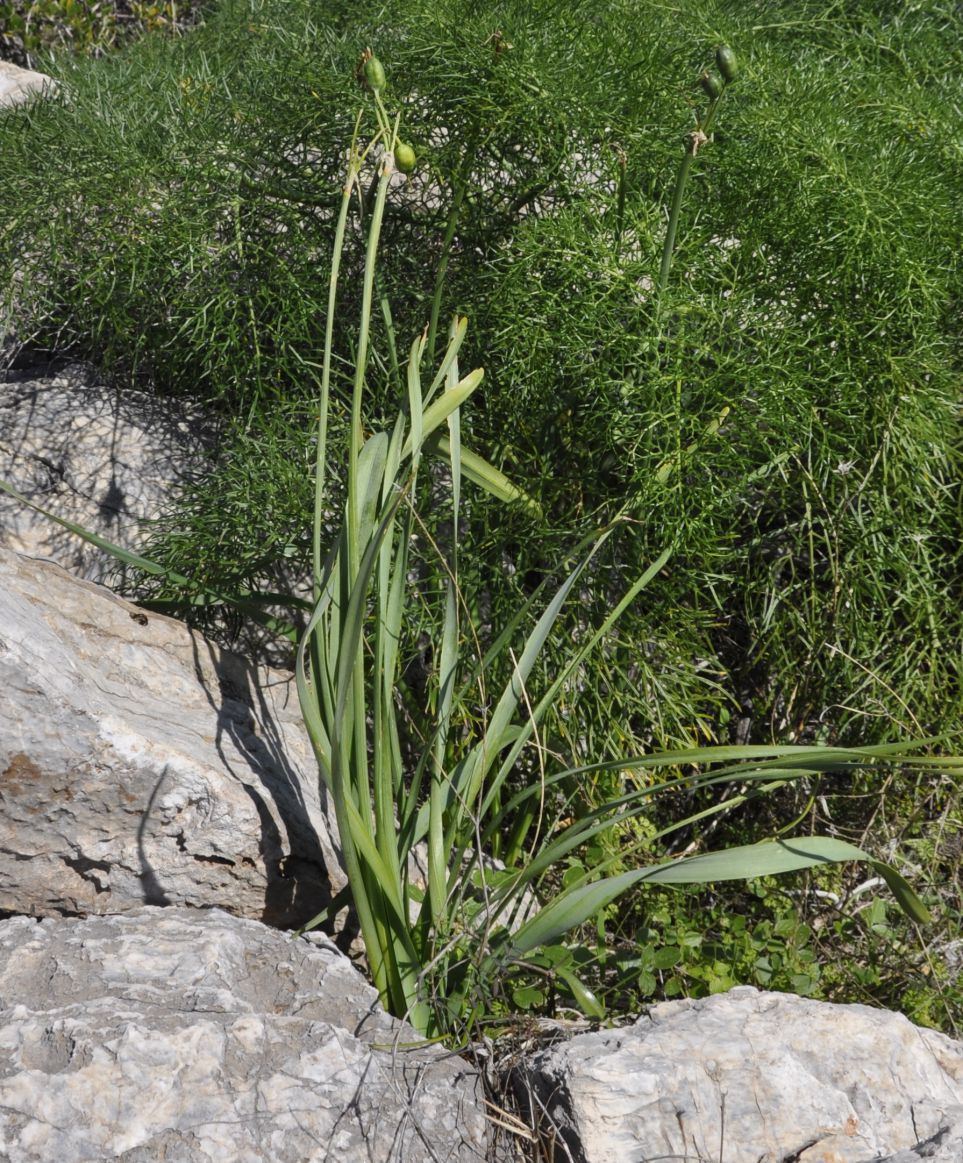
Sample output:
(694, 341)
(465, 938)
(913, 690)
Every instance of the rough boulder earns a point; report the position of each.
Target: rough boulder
(196, 1036)
(752, 1077)
(141, 764)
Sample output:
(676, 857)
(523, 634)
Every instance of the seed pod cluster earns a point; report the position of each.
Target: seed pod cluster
(712, 84)
(370, 72)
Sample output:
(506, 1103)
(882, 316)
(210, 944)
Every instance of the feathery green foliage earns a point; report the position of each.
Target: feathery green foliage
(183, 237)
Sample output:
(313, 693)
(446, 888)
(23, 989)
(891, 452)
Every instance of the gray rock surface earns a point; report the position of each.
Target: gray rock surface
(945, 1146)
(100, 457)
(18, 85)
(140, 764)
(198, 1037)
(752, 1077)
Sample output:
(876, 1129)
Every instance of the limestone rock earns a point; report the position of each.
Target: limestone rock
(100, 457)
(945, 1146)
(190, 1036)
(18, 85)
(752, 1077)
(140, 764)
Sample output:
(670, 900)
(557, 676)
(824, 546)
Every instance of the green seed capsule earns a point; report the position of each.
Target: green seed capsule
(404, 157)
(374, 74)
(726, 62)
(711, 84)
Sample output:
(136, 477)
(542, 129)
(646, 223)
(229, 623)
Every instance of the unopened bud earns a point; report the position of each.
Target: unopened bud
(374, 74)
(404, 158)
(726, 62)
(711, 85)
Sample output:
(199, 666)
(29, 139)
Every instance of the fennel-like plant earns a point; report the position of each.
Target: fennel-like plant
(444, 774)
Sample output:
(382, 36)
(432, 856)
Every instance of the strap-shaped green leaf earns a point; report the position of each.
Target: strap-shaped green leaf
(437, 413)
(483, 474)
(456, 339)
(747, 862)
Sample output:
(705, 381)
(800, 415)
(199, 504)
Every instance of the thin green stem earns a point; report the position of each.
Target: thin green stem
(249, 302)
(682, 178)
(697, 138)
(440, 779)
(361, 779)
(622, 162)
(320, 465)
(451, 226)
